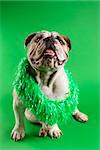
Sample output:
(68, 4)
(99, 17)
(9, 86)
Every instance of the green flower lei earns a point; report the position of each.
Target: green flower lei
(45, 109)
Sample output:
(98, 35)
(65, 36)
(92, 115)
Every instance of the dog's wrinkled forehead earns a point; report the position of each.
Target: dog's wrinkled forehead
(38, 36)
(45, 34)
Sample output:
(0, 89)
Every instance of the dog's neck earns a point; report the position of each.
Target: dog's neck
(53, 83)
(44, 77)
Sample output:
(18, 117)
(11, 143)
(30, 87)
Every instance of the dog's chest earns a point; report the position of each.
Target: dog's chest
(58, 89)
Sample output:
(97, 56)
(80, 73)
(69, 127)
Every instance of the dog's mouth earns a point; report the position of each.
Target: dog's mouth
(51, 54)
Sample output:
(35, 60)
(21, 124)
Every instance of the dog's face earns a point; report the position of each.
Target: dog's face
(47, 50)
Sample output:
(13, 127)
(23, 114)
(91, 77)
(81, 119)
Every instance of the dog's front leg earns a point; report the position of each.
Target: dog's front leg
(18, 130)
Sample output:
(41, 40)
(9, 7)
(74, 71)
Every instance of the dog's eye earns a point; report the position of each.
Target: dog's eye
(60, 40)
(38, 39)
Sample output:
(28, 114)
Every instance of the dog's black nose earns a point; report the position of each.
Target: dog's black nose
(49, 41)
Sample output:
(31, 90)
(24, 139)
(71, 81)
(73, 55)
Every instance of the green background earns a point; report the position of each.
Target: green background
(80, 21)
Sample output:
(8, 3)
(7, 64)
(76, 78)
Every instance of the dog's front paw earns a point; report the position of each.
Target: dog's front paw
(17, 134)
(54, 131)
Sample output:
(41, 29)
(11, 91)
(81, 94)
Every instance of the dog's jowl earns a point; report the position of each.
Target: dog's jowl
(44, 89)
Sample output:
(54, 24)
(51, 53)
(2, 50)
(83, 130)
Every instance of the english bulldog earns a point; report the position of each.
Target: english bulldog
(47, 54)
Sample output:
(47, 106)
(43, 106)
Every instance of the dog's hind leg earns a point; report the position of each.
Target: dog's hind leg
(18, 131)
(31, 117)
(79, 116)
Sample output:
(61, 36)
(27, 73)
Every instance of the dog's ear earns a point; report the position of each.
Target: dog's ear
(67, 41)
(29, 38)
